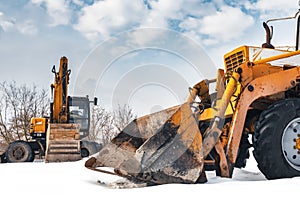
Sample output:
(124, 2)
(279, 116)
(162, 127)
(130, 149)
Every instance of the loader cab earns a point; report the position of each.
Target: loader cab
(79, 113)
(244, 54)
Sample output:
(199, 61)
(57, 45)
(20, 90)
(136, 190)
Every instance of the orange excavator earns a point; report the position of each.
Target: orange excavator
(57, 138)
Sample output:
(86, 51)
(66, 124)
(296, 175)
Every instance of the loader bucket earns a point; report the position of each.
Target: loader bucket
(124, 145)
(170, 154)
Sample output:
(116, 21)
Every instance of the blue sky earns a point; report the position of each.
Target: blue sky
(34, 34)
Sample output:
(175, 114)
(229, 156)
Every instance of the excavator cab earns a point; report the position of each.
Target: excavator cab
(79, 113)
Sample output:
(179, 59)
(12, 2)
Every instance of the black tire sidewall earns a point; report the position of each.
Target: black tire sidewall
(28, 157)
(268, 139)
(84, 152)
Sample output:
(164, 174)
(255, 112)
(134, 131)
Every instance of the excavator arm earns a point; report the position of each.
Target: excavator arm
(59, 93)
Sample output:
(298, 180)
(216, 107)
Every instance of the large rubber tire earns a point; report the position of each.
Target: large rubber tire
(269, 149)
(19, 151)
(84, 152)
(243, 152)
(89, 148)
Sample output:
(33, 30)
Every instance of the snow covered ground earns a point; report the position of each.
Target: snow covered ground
(72, 180)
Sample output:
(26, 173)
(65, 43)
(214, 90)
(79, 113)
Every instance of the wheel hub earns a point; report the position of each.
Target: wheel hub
(18, 153)
(297, 146)
(291, 143)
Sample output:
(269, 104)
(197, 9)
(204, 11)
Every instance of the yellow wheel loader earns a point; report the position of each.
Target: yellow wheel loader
(58, 137)
(257, 95)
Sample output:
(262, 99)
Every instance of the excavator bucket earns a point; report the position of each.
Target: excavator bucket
(63, 143)
(164, 147)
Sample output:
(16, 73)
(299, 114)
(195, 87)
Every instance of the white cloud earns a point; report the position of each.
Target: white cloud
(198, 8)
(190, 23)
(58, 10)
(213, 21)
(6, 24)
(28, 28)
(226, 24)
(265, 5)
(274, 8)
(104, 18)
(217, 26)
(168, 8)
(78, 2)
(162, 11)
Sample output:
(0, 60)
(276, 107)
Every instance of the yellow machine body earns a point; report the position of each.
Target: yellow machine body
(38, 125)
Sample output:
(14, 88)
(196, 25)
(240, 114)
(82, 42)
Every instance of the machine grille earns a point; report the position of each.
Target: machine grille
(234, 60)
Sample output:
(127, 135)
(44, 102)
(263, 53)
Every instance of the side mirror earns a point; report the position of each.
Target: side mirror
(269, 34)
(95, 101)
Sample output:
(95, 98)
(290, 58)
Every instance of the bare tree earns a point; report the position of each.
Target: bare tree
(123, 115)
(101, 125)
(105, 125)
(5, 130)
(18, 104)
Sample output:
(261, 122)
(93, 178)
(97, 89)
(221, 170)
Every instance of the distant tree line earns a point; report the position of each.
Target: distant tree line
(19, 103)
